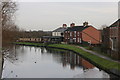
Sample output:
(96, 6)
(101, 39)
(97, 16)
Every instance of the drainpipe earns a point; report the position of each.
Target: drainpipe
(112, 43)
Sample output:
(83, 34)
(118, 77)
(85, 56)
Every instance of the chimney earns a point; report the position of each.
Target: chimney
(85, 24)
(64, 25)
(72, 24)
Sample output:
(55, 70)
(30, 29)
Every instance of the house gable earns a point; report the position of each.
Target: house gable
(58, 31)
(91, 35)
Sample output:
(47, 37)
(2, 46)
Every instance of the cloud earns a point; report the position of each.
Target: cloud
(45, 15)
(67, 0)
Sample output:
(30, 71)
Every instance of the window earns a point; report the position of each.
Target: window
(55, 33)
(78, 34)
(75, 40)
(74, 33)
(78, 39)
(70, 34)
(114, 45)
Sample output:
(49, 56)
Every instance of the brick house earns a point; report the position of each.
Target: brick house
(114, 35)
(59, 31)
(58, 34)
(79, 34)
(111, 39)
(115, 39)
(105, 40)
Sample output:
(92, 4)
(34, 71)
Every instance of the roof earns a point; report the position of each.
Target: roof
(56, 36)
(115, 24)
(77, 28)
(61, 29)
(46, 36)
(51, 37)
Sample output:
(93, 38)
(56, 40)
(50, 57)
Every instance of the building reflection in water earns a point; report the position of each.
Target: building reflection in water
(71, 59)
(66, 59)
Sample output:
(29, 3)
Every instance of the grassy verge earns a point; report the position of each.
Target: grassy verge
(106, 64)
(98, 50)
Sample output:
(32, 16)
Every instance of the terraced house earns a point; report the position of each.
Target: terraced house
(58, 34)
(82, 34)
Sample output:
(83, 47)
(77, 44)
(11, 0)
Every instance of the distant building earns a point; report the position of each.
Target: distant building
(106, 40)
(59, 31)
(58, 34)
(82, 34)
(111, 39)
(115, 39)
(114, 35)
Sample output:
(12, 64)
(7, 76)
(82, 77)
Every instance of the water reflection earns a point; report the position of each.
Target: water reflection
(71, 59)
(36, 62)
(14, 53)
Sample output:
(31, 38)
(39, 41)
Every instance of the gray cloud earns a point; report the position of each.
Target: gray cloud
(48, 16)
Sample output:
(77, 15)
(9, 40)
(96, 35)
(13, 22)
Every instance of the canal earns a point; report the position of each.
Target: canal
(39, 62)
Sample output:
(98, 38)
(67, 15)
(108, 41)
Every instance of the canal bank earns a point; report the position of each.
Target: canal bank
(106, 65)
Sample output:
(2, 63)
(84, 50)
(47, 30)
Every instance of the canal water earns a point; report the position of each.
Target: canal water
(39, 62)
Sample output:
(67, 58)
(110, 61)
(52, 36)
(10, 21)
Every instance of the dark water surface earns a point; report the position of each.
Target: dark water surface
(36, 62)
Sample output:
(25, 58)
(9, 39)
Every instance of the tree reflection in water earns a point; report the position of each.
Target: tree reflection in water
(41, 59)
(13, 53)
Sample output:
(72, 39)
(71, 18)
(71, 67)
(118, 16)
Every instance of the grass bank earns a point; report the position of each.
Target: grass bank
(103, 63)
(98, 50)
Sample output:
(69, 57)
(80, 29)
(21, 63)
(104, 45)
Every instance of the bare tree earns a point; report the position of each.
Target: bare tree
(103, 26)
(8, 10)
(9, 29)
(0, 25)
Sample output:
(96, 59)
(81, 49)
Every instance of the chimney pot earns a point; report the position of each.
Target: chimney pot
(72, 24)
(64, 25)
(85, 24)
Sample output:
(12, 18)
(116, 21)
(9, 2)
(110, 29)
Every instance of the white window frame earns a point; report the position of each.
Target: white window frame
(78, 33)
(74, 33)
(70, 34)
(78, 39)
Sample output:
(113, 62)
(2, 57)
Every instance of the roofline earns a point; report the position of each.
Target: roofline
(81, 26)
(91, 26)
(58, 28)
(114, 22)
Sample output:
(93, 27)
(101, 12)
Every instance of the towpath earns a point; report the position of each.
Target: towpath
(97, 54)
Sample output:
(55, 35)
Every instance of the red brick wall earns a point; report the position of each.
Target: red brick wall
(113, 31)
(67, 36)
(119, 43)
(91, 34)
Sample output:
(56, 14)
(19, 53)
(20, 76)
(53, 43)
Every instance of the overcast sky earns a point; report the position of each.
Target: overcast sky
(51, 15)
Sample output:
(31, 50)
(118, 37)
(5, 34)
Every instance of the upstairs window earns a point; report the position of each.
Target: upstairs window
(70, 34)
(74, 33)
(78, 34)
